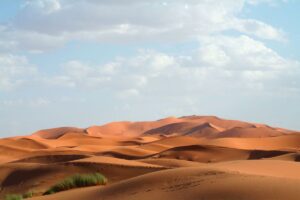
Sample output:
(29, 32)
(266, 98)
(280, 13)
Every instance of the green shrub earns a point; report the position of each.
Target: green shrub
(13, 197)
(28, 194)
(76, 181)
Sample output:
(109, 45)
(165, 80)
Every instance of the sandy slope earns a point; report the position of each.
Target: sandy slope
(189, 184)
(193, 157)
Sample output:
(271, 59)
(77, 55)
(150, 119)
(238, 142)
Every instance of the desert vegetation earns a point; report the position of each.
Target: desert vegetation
(13, 197)
(26, 195)
(77, 181)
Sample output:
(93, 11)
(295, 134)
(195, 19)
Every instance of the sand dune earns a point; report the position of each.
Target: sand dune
(192, 157)
(25, 142)
(288, 142)
(128, 129)
(191, 183)
(253, 132)
(57, 132)
(274, 168)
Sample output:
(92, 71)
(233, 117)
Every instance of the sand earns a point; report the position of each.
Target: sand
(192, 157)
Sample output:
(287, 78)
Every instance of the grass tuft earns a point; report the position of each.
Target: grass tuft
(28, 194)
(13, 197)
(77, 181)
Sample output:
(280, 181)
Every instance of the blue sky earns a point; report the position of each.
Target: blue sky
(87, 62)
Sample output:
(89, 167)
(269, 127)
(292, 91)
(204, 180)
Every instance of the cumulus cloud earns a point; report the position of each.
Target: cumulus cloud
(219, 62)
(259, 29)
(76, 74)
(46, 6)
(45, 24)
(128, 93)
(14, 71)
(270, 2)
(244, 53)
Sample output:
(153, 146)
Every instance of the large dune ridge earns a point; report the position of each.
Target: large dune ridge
(190, 157)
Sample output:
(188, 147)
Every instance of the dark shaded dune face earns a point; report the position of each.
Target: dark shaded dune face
(259, 154)
(226, 124)
(203, 130)
(251, 132)
(208, 154)
(297, 158)
(176, 141)
(204, 154)
(114, 172)
(122, 155)
(48, 159)
(22, 175)
(180, 128)
(128, 129)
(130, 143)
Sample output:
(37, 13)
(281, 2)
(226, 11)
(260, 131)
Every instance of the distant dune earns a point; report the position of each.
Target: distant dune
(191, 157)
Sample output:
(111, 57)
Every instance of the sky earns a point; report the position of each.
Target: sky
(89, 62)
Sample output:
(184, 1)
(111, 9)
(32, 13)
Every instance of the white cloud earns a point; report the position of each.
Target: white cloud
(259, 29)
(128, 93)
(34, 102)
(216, 63)
(220, 62)
(14, 71)
(270, 2)
(245, 53)
(45, 6)
(257, 75)
(45, 24)
(39, 102)
(213, 55)
(76, 74)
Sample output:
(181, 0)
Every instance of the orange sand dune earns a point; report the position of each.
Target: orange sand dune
(190, 183)
(192, 157)
(172, 163)
(253, 132)
(26, 143)
(274, 168)
(127, 129)
(286, 142)
(57, 132)
(195, 125)
(115, 161)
